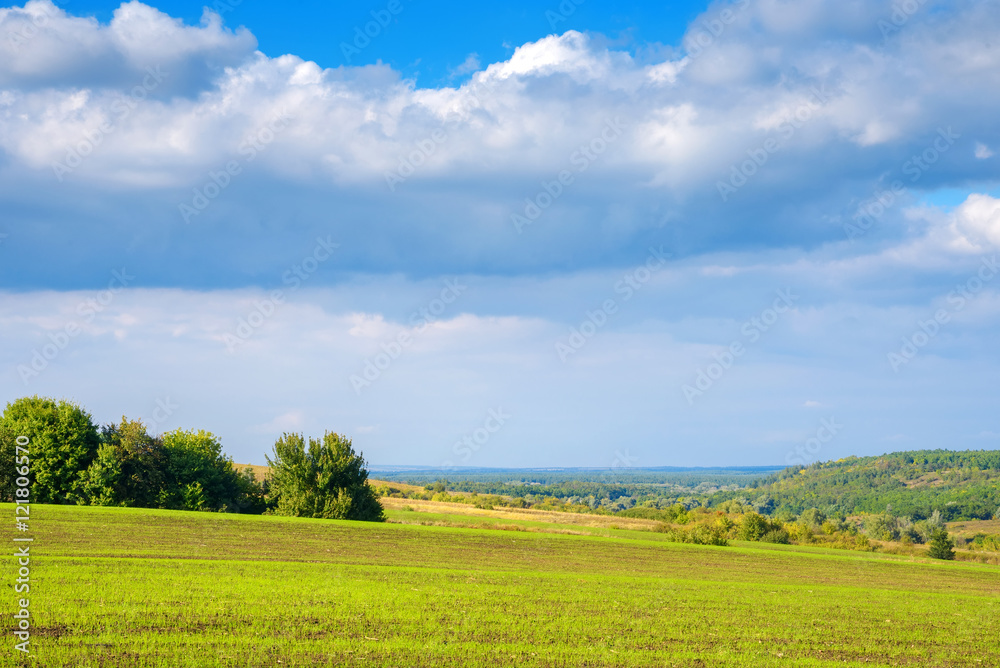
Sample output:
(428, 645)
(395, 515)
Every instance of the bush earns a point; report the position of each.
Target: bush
(861, 543)
(982, 541)
(779, 536)
(327, 480)
(704, 535)
(834, 525)
(699, 534)
(753, 526)
(725, 525)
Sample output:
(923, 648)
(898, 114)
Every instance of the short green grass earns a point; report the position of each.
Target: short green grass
(125, 587)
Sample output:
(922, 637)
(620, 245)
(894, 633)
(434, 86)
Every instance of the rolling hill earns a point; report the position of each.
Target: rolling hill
(961, 485)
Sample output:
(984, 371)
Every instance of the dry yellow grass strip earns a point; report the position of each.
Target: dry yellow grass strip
(260, 472)
(553, 517)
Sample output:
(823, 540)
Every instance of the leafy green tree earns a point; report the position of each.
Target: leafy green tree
(764, 504)
(884, 526)
(326, 479)
(128, 470)
(63, 441)
(753, 526)
(942, 546)
(736, 506)
(197, 476)
(814, 517)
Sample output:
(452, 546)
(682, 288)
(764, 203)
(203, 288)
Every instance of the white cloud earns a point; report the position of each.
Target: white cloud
(45, 46)
(505, 132)
(469, 65)
(983, 151)
(290, 421)
(353, 124)
(977, 221)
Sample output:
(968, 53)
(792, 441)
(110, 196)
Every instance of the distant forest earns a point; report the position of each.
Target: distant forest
(959, 485)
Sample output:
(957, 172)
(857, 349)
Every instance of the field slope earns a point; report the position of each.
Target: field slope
(129, 587)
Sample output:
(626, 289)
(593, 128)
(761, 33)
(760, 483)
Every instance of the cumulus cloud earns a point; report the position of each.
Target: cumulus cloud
(768, 131)
(977, 220)
(47, 48)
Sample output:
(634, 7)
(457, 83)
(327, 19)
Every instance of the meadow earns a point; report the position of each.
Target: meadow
(138, 587)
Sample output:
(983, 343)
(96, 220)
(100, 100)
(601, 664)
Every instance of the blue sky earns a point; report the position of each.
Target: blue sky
(653, 233)
(430, 41)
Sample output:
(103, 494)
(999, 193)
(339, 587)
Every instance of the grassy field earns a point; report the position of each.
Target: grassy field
(126, 587)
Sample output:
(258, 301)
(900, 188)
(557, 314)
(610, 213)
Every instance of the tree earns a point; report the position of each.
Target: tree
(884, 526)
(128, 470)
(62, 442)
(814, 517)
(327, 479)
(754, 526)
(197, 476)
(942, 546)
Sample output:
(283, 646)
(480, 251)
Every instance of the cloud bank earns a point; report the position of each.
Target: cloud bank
(235, 234)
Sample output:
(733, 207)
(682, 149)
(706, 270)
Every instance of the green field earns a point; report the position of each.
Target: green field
(131, 587)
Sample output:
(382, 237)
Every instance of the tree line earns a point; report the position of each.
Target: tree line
(961, 485)
(73, 461)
